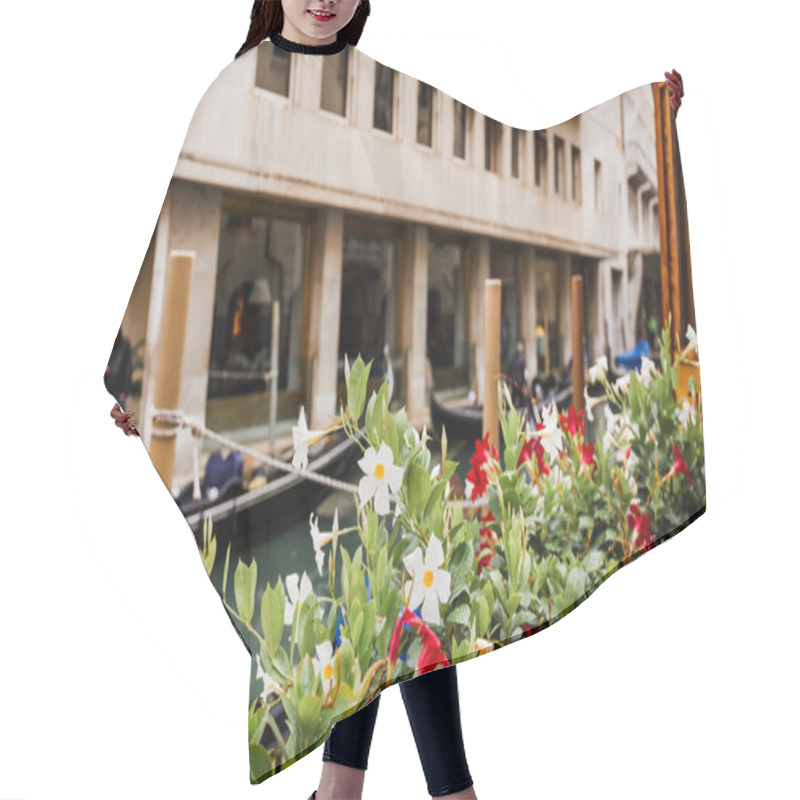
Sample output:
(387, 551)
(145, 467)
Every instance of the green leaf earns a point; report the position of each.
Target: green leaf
(306, 676)
(576, 583)
(244, 584)
(273, 605)
(225, 571)
(308, 713)
(484, 616)
(460, 615)
(260, 761)
(366, 635)
(390, 433)
(306, 627)
(357, 387)
(208, 559)
(461, 565)
(418, 488)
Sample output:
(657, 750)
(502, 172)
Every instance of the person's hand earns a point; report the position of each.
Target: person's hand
(675, 83)
(123, 420)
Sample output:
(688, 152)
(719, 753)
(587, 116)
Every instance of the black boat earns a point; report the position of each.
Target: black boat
(461, 422)
(285, 500)
(466, 421)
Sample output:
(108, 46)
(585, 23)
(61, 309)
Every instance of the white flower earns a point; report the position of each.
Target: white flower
(468, 487)
(295, 596)
(551, 433)
(647, 371)
(380, 475)
(621, 383)
(691, 337)
(323, 662)
(590, 402)
(270, 684)
(562, 477)
(629, 432)
(302, 437)
(428, 584)
(435, 472)
(598, 370)
(685, 413)
(630, 463)
(320, 539)
(611, 418)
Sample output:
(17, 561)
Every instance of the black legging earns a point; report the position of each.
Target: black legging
(431, 701)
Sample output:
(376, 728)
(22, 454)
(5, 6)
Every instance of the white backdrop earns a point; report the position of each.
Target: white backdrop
(677, 678)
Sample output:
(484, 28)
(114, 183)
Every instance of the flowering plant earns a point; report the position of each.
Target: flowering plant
(437, 578)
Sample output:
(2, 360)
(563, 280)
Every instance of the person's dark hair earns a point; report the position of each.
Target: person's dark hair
(266, 19)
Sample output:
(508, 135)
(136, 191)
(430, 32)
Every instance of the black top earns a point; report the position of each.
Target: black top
(296, 47)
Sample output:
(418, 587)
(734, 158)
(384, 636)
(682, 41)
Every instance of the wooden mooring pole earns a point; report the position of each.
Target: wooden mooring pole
(169, 369)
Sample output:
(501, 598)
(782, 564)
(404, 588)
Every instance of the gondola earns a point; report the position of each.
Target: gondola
(465, 422)
(286, 498)
(461, 422)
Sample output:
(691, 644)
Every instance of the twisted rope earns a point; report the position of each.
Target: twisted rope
(176, 418)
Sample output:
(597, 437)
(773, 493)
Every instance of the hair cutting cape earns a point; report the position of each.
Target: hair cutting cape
(419, 381)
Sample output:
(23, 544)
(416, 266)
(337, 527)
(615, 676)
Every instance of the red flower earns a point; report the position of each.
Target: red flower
(572, 422)
(531, 447)
(408, 616)
(477, 475)
(588, 456)
(431, 654)
(527, 629)
(527, 451)
(680, 465)
(640, 525)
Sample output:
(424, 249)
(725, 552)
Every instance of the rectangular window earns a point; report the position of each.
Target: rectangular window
(334, 82)
(576, 173)
(598, 187)
(273, 67)
(492, 144)
(425, 114)
(560, 165)
(383, 112)
(515, 152)
(540, 158)
(459, 129)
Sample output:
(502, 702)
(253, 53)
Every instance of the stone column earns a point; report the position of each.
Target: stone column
(325, 267)
(414, 321)
(564, 305)
(478, 263)
(527, 322)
